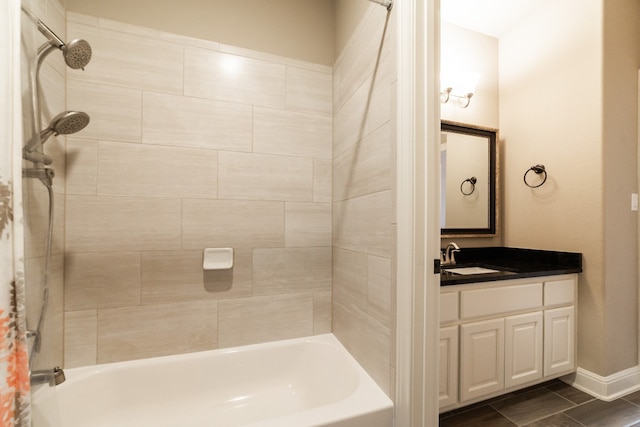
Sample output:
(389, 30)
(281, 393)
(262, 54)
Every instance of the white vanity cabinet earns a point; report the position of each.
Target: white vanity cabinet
(511, 334)
(449, 352)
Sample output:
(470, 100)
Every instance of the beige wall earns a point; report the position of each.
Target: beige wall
(568, 101)
(620, 123)
(193, 144)
(363, 197)
(291, 28)
(36, 199)
(466, 50)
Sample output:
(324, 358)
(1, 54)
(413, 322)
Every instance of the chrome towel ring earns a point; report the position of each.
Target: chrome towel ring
(472, 181)
(538, 169)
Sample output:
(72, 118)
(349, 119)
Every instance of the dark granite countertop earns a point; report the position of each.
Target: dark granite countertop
(512, 263)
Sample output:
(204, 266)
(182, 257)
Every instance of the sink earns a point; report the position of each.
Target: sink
(470, 270)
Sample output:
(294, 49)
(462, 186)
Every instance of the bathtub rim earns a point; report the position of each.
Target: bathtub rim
(366, 400)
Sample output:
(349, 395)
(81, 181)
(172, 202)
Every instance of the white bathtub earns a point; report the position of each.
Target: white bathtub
(293, 383)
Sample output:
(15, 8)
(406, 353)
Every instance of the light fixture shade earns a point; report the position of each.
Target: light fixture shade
(459, 86)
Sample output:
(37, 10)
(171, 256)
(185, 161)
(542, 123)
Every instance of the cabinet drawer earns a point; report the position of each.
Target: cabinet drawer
(559, 292)
(448, 307)
(494, 301)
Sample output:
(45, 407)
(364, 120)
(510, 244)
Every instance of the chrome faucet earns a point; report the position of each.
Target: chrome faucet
(450, 254)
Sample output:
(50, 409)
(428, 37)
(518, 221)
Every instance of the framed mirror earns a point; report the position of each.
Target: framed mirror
(468, 196)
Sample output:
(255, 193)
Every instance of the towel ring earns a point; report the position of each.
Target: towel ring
(538, 169)
(472, 181)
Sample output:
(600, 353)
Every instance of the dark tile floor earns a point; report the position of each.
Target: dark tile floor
(552, 404)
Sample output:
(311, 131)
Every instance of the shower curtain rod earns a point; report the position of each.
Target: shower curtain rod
(386, 3)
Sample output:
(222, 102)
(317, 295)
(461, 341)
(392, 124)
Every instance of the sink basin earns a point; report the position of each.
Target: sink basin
(471, 270)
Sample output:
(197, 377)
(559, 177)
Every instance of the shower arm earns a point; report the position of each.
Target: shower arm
(48, 33)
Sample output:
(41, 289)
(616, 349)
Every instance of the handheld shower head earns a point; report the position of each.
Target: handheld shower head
(63, 124)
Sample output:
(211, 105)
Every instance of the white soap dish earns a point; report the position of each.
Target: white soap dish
(217, 259)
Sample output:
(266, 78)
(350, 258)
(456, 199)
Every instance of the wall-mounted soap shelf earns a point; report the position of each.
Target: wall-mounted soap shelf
(217, 259)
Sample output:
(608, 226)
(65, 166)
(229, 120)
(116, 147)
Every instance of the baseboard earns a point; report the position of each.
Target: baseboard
(605, 388)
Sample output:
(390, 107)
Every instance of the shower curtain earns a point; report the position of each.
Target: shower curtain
(14, 366)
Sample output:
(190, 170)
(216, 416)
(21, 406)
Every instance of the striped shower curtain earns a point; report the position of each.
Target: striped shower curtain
(14, 366)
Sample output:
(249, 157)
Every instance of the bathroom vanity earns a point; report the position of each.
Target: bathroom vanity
(507, 321)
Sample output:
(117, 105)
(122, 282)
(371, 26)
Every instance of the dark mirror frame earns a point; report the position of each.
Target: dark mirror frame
(492, 136)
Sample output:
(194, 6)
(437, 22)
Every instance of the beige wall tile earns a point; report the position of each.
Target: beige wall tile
(263, 177)
(364, 224)
(350, 121)
(101, 280)
(36, 214)
(52, 87)
(226, 77)
(287, 270)
(34, 276)
(322, 312)
(267, 318)
(364, 168)
(193, 122)
(80, 338)
(321, 180)
(366, 339)
(57, 245)
(229, 223)
(379, 110)
(80, 18)
(371, 346)
(379, 289)
(350, 286)
(176, 276)
(286, 60)
(291, 133)
(309, 91)
(155, 34)
(106, 224)
(126, 169)
(82, 166)
(156, 330)
(52, 350)
(130, 61)
(307, 224)
(116, 112)
(372, 42)
(56, 286)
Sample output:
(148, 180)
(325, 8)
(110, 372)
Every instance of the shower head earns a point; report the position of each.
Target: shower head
(63, 124)
(77, 53)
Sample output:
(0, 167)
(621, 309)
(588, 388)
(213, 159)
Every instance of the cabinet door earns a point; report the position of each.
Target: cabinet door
(559, 340)
(481, 358)
(523, 348)
(448, 393)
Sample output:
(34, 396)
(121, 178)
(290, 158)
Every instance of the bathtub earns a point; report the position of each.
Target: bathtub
(301, 382)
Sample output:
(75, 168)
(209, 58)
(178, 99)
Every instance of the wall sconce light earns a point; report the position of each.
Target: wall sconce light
(465, 83)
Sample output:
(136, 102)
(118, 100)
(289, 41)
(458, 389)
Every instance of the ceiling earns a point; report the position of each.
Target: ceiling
(492, 17)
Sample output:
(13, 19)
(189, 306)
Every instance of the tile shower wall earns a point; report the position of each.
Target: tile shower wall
(191, 145)
(35, 196)
(363, 198)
